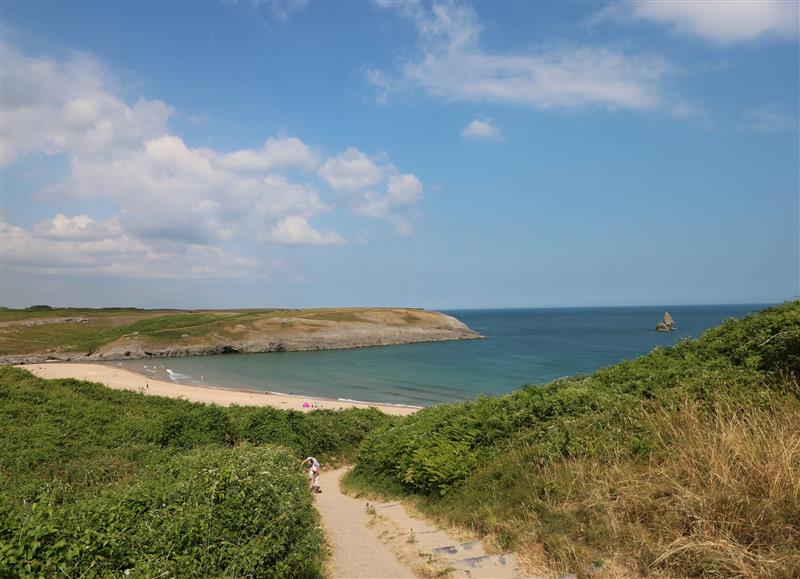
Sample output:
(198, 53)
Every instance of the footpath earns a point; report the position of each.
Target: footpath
(376, 540)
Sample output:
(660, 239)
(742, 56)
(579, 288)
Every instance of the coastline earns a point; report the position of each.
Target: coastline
(223, 332)
(123, 379)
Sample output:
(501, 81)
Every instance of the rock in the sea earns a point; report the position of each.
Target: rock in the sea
(666, 325)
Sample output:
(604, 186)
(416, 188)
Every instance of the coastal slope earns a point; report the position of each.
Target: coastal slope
(43, 334)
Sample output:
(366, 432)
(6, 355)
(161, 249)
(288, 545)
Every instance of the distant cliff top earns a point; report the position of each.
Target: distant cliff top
(42, 333)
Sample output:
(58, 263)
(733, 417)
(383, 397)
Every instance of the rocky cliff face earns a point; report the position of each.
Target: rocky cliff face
(298, 332)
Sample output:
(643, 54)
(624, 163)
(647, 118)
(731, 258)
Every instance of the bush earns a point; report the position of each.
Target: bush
(328, 434)
(195, 425)
(212, 512)
(95, 481)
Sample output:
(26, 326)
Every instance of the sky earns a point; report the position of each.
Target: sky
(439, 155)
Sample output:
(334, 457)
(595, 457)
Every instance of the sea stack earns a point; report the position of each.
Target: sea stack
(665, 325)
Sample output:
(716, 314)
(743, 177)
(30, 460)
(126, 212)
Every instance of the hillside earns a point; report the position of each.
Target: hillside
(684, 462)
(41, 333)
(97, 482)
(681, 463)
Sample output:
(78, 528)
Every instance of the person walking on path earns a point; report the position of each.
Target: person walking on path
(313, 474)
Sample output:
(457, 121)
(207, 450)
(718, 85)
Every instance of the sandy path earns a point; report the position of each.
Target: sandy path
(358, 553)
(385, 540)
(121, 379)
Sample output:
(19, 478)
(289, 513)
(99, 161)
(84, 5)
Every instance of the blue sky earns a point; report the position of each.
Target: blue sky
(443, 155)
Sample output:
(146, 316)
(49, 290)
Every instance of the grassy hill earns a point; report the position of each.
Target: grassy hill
(41, 332)
(99, 482)
(684, 461)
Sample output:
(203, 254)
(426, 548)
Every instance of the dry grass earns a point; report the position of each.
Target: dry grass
(721, 498)
(724, 500)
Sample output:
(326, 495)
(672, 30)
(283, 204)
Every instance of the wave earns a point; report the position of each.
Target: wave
(175, 376)
(348, 400)
(352, 401)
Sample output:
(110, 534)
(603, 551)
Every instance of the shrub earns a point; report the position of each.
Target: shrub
(329, 434)
(96, 482)
(195, 425)
(212, 512)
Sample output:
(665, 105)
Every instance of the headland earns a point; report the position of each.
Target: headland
(41, 333)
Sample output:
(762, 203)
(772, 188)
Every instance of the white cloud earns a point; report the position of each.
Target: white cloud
(721, 22)
(360, 178)
(117, 254)
(79, 228)
(276, 153)
(481, 129)
(173, 201)
(294, 230)
(351, 171)
(168, 189)
(51, 107)
(397, 206)
(404, 189)
(767, 119)
(452, 66)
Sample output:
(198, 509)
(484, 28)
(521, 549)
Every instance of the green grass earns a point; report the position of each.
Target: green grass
(333, 316)
(154, 328)
(95, 481)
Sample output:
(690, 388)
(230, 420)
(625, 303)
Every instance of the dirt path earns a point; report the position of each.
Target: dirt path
(373, 540)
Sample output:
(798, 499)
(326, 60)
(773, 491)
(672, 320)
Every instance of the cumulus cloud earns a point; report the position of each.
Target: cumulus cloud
(717, 21)
(276, 153)
(169, 189)
(173, 201)
(294, 230)
(453, 66)
(481, 129)
(397, 204)
(374, 187)
(52, 107)
(117, 254)
(351, 171)
(767, 119)
(78, 228)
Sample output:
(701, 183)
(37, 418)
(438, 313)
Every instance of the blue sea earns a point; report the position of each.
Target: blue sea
(522, 346)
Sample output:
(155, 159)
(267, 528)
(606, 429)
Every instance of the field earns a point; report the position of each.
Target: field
(44, 333)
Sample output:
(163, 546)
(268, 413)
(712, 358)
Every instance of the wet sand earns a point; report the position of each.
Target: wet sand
(121, 379)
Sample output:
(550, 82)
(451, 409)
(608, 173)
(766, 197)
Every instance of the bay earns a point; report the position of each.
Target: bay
(522, 346)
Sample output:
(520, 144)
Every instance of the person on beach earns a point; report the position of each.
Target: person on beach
(313, 474)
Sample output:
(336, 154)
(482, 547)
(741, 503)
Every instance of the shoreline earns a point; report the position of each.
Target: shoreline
(124, 379)
(226, 332)
(39, 358)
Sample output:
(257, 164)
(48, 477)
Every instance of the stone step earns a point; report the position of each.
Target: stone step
(483, 566)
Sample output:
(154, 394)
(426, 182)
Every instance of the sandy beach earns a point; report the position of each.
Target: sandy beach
(121, 379)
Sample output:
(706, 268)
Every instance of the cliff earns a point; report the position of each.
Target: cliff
(86, 335)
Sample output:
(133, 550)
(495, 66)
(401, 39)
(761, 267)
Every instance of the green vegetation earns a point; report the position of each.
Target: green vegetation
(97, 482)
(104, 326)
(686, 460)
(43, 329)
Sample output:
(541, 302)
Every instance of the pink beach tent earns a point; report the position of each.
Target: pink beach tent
(306, 405)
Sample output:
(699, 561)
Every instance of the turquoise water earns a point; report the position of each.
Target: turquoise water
(522, 346)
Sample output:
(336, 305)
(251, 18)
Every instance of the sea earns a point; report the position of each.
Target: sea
(521, 347)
